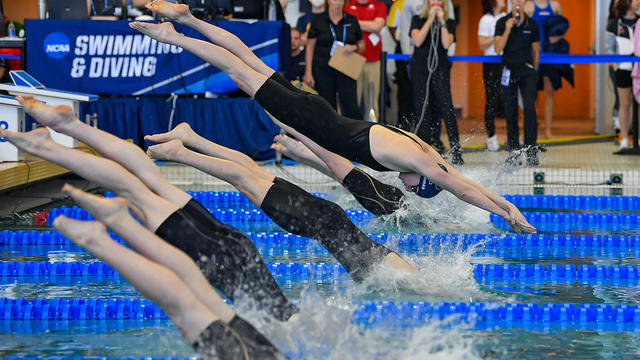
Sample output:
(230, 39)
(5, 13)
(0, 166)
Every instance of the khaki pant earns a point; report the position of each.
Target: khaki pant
(369, 89)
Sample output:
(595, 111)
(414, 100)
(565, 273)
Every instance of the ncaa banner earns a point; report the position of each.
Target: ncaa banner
(108, 57)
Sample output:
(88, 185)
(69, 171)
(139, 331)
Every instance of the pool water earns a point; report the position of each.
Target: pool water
(462, 272)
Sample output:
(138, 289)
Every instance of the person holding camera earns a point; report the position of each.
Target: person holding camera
(518, 38)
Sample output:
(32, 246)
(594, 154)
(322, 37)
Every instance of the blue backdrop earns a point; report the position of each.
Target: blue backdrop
(239, 123)
(108, 57)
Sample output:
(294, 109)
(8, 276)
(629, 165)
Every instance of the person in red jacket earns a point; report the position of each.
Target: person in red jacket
(372, 16)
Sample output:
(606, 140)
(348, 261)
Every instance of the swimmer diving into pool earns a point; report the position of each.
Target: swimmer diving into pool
(377, 197)
(289, 206)
(166, 276)
(378, 146)
(227, 257)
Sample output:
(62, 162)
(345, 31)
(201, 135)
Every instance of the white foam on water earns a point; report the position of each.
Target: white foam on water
(323, 330)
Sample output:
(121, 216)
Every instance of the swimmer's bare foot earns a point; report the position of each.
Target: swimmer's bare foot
(60, 118)
(286, 151)
(292, 148)
(86, 234)
(182, 132)
(177, 12)
(165, 151)
(34, 142)
(164, 32)
(107, 210)
(395, 261)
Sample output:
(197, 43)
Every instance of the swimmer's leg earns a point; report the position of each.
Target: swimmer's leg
(113, 212)
(190, 138)
(374, 195)
(181, 14)
(295, 150)
(248, 79)
(149, 207)
(303, 214)
(131, 157)
(337, 164)
(154, 281)
(253, 185)
(212, 328)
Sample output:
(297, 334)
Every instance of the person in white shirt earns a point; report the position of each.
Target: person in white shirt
(493, 11)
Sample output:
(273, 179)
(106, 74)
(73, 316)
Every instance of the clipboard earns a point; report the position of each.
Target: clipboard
(350, 65)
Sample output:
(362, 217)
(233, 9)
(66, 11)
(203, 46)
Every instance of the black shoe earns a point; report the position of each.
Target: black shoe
(514, 158)
(456, 158)
(532, 157)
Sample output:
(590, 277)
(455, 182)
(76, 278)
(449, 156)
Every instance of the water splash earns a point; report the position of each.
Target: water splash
(323, 330)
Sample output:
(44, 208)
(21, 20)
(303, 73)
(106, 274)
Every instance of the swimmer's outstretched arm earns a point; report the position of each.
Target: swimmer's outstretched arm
(464, 188)
(247, 79)
(131, 157)
(154, 281)
(254, 185)
(113, 212)
(515, 216)
(180, 13)
(150, 208)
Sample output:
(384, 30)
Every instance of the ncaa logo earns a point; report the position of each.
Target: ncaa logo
(57, 45)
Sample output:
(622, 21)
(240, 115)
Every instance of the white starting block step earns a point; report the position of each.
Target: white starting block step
(25, 84)
(12, 119)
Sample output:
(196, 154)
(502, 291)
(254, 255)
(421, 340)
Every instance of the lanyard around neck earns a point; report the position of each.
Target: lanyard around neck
(344, 30)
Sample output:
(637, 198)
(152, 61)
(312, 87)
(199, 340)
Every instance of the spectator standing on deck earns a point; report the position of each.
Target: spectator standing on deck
(541, 11)
(372, 16)
(410, 8)
(327, 30)
(493, 11)
(433, 33)
(517, 37)
(619, 41)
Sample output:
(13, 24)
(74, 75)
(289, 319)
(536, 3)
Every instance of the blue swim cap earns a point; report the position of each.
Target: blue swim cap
(426, 188)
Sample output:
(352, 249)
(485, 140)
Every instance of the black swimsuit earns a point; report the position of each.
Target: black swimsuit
(301, 213)
(237, 340)
(227, 258)
(377, 197)
(314, 117)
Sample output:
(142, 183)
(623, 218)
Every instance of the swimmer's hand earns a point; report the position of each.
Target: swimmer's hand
(518, 222)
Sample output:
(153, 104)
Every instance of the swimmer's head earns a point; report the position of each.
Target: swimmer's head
(420, 185)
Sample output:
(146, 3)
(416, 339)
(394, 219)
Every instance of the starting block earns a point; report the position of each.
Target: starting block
(25, 84)
(12, 119)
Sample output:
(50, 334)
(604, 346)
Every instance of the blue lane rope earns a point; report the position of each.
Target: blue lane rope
(569, 222)
(544, 221)
(366, 314)
(571, 202)
(358, 217)
(544, 58)
(224, 199)
(405, 242)
(74, 271)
